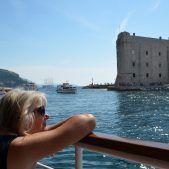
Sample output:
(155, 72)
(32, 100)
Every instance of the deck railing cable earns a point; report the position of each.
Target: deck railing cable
(38, 164)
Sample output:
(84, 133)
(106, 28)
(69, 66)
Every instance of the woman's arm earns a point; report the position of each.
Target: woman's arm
(36, 146)
(53, 126)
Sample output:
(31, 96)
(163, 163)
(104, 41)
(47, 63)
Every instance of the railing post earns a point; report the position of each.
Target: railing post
(78, 157)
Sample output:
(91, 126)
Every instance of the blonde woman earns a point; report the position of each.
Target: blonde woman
(24, 136)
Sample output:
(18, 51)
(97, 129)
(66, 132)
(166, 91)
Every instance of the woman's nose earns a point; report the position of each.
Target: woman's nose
(46, 116)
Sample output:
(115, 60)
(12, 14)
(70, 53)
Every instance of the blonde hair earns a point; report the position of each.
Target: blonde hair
(16, 110)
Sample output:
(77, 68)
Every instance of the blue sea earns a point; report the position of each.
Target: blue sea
(139, 115)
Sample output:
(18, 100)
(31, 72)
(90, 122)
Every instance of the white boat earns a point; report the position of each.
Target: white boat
(29, 86)
(66, 88)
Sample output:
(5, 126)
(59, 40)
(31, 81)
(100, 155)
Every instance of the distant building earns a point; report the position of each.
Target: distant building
(142, 62)
(48, 83)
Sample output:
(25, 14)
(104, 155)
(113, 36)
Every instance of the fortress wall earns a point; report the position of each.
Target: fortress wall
(141, 61)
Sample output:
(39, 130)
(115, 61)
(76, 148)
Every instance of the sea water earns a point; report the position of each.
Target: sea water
(139, 115)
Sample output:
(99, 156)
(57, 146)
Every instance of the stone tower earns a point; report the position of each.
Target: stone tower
(142, 62)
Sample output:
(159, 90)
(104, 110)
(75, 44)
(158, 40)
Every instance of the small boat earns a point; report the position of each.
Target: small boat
(29, 86)
(66, 88)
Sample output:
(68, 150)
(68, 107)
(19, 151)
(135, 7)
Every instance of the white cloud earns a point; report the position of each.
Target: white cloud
(76, 17)
(122, 26)
(81, 20)
(155, 6)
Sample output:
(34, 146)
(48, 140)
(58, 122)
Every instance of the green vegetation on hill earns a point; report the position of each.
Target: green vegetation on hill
(10, 79)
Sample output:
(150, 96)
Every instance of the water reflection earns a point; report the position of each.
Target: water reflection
(144, 115)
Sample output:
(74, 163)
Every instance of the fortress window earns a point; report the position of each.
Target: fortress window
(146, 52)
(134, 75)
(132, 52)
(159, 75)
(133, 63)
(147, 64)
(147, 74)
(159, 53)
(159, 64)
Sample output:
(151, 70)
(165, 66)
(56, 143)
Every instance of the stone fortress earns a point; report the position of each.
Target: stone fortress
(142, 62)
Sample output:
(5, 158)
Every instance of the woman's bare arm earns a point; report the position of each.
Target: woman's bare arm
(53, 126)
(42, 144)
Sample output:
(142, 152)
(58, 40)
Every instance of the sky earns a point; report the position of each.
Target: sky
(73, 40)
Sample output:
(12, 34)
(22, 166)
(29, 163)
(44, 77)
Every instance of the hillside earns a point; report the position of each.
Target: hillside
(10, 79)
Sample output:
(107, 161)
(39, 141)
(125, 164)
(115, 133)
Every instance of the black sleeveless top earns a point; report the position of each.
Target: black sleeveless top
(5, 141)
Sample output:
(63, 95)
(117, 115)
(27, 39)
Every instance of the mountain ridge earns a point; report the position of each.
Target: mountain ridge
(11, 79)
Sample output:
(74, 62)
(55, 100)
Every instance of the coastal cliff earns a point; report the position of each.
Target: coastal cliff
(10, 79)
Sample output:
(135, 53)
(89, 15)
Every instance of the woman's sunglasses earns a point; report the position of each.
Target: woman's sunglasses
(40, 110)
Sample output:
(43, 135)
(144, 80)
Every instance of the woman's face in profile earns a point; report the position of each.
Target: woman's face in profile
(40, 120)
